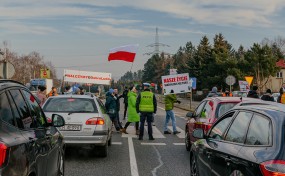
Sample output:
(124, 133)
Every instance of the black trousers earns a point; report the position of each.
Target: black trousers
(146, 116)
(118, 119)
(136, 124)
(125, 110)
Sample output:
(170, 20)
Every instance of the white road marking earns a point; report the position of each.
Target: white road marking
(143, 143)
(117, 143)
(178, 143)
(155, 132)
(180, 135)
(160, 162)
(133, 161)
(132, 132)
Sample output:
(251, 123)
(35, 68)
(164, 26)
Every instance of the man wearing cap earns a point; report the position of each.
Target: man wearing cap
(146, 105)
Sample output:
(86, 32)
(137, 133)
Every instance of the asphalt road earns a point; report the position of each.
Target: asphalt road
(165, 156)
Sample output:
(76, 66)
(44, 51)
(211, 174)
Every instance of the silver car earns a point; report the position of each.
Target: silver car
(86, 121)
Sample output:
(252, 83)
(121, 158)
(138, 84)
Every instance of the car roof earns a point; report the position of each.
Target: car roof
(264, 106)
(224, 99)
(73, 96)
(8, 82)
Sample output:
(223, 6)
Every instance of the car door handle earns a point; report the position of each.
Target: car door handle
(228, 159)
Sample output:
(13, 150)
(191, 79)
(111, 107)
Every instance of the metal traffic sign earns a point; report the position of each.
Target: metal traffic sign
(230, 80)
(193, 82)
(7, 70)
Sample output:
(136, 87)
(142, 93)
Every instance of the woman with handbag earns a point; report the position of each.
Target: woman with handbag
(111, 107)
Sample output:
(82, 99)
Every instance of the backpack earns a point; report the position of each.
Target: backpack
(282, 99)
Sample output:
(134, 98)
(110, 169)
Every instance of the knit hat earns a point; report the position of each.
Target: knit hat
(111, 90)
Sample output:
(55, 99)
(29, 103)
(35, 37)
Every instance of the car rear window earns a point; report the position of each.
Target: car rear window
(70, 105)
(222, 108)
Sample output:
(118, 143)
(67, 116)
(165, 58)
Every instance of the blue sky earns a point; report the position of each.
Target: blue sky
(77, 34)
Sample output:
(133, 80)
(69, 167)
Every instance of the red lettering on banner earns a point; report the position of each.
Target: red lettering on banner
(183, 78)
(168, 80)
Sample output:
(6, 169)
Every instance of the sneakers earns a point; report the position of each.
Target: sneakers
(167, 132)
(123, 130)
(176, 132)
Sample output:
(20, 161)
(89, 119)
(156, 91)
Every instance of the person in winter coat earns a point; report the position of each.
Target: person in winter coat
(170, 99)
(41, 94)
(267, 96)
(125, 96)
(281, 93)
(118, 106)
(133, 116)
(253, 93)
(111, 107)
(214, 92)
(53, 92)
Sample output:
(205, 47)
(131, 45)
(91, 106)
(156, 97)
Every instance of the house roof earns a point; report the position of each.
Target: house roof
(280, 63)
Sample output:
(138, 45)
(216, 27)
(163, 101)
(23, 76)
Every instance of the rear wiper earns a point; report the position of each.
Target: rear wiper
(78, 112)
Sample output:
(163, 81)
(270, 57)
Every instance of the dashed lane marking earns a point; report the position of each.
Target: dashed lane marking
(133, 161)
(117, 143)
(178, 143)
(180, 135)
(155, 132)
(143, 143)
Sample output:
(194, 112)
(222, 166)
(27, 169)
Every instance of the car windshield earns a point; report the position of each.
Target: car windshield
(70, 105)
(223, 108)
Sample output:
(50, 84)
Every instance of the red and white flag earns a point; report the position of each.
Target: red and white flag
(125, 53)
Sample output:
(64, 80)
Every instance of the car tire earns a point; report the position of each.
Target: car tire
(103, 152)
(187, 140)
(193, 167)
(110, 141)
(61, 164)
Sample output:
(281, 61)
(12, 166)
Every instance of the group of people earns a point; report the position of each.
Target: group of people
(268, 95)
(140, 107)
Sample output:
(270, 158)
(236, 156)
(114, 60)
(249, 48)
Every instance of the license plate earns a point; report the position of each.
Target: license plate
(70, 128)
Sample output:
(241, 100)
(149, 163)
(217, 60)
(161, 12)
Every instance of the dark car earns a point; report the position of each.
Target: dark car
(247, 140)
(206, 114)
(29, 145)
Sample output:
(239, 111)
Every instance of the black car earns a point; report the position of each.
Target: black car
(247, 140)
(29, 145)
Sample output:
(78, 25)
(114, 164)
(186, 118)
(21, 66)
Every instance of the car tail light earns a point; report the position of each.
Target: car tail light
(207, 127)
(273, 168)
(3, 153)
(95, 121)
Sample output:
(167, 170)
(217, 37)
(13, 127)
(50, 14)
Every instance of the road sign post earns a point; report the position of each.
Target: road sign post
(230, 80)
(191, 84)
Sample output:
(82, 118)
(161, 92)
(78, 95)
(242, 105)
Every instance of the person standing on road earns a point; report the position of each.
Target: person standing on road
(118, 106)
(41, 94)
(111, 107)
(267, 96)
(279, 99)
(146, 105)
(53, 92)
(170, 99)
(253, 93)
(133, 116)
(125, 96)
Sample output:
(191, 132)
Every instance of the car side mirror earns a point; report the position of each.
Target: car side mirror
(198, 133)
(189, 114)
(57, 120)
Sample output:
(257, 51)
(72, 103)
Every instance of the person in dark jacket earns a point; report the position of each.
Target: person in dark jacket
(214, 92)
(125, 96)
(111, 107)
(279, 97)
(146, 105)
(253, 93)
(118, 106)
(267, 96)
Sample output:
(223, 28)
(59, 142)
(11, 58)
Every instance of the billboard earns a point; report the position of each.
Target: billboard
(87, 77)
(243, 86)
(45, 73)
(178, 83)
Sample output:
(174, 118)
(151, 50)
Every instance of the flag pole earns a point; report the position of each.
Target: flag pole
(132, 67)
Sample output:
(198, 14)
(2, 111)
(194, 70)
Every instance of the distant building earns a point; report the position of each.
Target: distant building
(276, 82)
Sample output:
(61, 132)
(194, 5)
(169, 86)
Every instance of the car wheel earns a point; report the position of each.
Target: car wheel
(194, 169)
(187, 141)
(104, 150)
(110, 141)
(61, 164)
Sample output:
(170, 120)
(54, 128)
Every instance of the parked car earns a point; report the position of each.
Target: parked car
(87, 122)
(29, 145)
(247, 140)
(275, 96)
(206, 114)
(239, 93)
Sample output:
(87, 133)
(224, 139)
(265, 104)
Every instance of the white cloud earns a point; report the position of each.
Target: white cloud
(114, 21)
(19, 28)
(114, 31)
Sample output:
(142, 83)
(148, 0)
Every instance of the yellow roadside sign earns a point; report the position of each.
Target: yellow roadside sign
(45, 73)
(248, 79)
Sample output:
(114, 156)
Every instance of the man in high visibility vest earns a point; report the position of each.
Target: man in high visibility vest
(146, 106)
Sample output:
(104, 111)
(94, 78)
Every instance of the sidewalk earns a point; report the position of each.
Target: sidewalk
(185, 103)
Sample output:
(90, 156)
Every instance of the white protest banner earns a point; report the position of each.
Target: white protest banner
(87, 77)
(172, 71)
(243, 86)
(178, 83)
